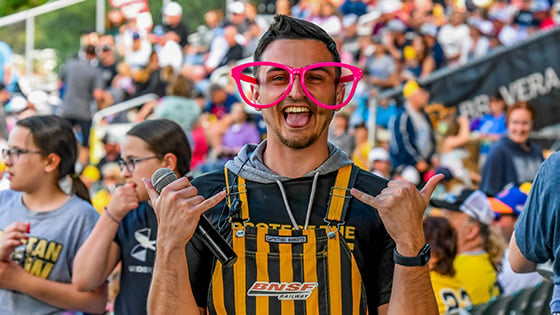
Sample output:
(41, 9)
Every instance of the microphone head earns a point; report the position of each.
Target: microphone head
(162, 177)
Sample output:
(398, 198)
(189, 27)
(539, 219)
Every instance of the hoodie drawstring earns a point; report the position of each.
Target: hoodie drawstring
(309, 205)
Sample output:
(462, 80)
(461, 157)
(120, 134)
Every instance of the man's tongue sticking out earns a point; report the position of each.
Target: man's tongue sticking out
(297, 119)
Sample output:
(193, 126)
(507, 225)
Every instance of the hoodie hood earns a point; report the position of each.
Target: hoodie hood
(250, 162)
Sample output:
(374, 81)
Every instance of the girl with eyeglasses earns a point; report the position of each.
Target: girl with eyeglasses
(42, 224)
(126, 232)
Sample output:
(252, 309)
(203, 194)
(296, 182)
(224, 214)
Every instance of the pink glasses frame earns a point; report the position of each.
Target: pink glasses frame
(238, 76)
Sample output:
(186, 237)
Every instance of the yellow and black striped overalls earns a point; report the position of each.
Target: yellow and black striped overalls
(278, 271)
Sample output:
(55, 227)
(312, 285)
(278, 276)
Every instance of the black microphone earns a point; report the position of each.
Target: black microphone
(205, 230)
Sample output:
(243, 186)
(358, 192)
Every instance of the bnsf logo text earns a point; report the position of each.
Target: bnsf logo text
(283, 290)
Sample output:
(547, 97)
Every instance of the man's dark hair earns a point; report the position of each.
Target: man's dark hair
(285, 27)
(90, 50)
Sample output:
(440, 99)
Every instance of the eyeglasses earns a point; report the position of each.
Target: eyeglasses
(276, 81)
(130, 163)
(15, 153)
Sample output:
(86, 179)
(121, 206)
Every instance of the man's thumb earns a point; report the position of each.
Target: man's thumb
(431, 186)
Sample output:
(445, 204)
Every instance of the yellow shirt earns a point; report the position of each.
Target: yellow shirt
(101, 200)
(360, 155)
(477, 275)
(450, 295)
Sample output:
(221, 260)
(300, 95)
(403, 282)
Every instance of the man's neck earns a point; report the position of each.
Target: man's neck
(294, 163)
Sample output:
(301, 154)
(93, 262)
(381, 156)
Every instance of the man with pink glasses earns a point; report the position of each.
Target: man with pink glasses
(298, 213)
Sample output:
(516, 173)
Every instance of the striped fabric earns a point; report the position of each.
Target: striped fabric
(289, 271)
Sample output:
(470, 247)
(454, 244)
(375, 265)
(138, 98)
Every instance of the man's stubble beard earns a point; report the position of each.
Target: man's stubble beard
(300, 143)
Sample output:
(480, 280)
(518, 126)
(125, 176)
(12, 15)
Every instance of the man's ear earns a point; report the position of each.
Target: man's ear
(340, 93)
(472, 230)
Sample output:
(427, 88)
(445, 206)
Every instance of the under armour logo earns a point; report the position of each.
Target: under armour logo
(143, 238)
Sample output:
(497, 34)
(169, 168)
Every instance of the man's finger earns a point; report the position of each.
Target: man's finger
(152, 193)
(365, 198)
(431, 186)
(211, 202)
(396, 183)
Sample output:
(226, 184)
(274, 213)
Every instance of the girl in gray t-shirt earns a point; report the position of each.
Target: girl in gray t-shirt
(41, 225)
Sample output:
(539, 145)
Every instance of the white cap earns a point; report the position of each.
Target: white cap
(378, 154)
(410, 174)
(236, 7)
(389, 6)
(172, 9)
(429, 29)
(349, 19)
(396, 25)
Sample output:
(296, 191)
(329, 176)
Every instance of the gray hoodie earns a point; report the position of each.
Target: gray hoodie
(250, 162)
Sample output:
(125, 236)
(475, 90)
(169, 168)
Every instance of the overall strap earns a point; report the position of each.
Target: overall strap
(239, 189)
(340, 194)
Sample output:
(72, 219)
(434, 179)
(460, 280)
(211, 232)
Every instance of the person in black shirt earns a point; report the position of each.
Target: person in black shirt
(172, 15)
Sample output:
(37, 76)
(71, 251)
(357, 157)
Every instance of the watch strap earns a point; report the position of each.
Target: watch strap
(415, 261)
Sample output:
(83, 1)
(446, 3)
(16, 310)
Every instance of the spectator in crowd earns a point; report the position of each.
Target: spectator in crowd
(477, 44)
(237, 16)
(423, 62)
(138, 54)
(395, 39)
(324, 14)
(224, 49)
(155, 78)
(112, 150)
(115, 20)
(513, 159)
(170, 53)
(542, 14)
(452, 36)
(429, 31)
(507, 205)
(451, 296)
(490, 127)
(380, 67)
(173, 22)
(478, 250)
(535, 238)
(123, 86)
(506, 34)
(127, 230)
(111, 179)
(356, 7)
(226, 143)
(220, 101)
(339, 133)
(43, 222)
(452, 148)
(362, 146)
(379, 162)
(82, 86)
(413, 141)
(179, 104)
(108, 68)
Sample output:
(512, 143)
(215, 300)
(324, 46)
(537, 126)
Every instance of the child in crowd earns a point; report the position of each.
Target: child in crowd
(42, 224)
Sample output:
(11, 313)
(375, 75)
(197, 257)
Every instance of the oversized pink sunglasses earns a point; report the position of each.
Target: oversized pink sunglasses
(313, 78)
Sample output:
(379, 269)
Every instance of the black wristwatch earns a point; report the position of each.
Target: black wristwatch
(416, 261)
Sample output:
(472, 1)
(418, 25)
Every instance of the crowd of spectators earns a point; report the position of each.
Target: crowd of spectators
(394, 42)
